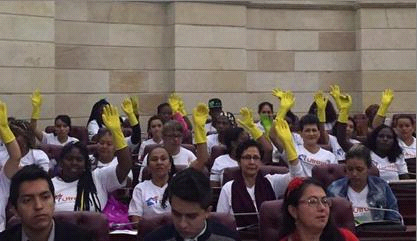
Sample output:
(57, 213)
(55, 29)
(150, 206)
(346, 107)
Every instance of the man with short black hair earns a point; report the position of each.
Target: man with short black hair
(190, 196)
(32, 196)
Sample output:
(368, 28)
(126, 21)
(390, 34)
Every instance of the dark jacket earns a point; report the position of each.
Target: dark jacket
(63, 232)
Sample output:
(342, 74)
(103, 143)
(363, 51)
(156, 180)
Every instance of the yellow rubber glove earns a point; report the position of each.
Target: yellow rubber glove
(278, 93)
(36, 105)
(5, 133)
(284, 134)
(135, 104)
(200, 114)
(321, 102)
(386, 99)
(174, 101)
(111, 120)
(335, 93)
(248, 124)
(345, 104)
(287, 102)
(127, 107)
(181, 109)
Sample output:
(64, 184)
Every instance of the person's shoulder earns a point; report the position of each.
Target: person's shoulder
(39, 153)
(68, 231)
(348, 235)
(11, 234)
(220, 230)
(166, 232)
(377, 180)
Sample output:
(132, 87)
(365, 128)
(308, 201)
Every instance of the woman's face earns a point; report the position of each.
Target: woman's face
(105, 147)
(310, 134)
(357, 172)
(350, 128)
(73, 165)
(156, 128)
(312, 212)
(250, 161)
(222, 123)
(385, 140)
(266, 111)
(61, 128)
(159, 163)
(166, 113)
(404, 128)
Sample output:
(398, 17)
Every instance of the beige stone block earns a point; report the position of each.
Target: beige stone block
(209, 36)
(26, 80)
(388, 39)
(271, 60)
(404, 102)
(27, 54)
(300, 19)
(34, 8)
(69, 32)
(71, 10)
(210, 59)
(81, 81)
(337, 41)
(326, 61)
(209, 14)
(127, 12)
(88, 57)
(261, 39)
(388, 18)
(15, 27)
(396, 80)
(20, 107)
(347, 81)
(149, 102)
(388, 60)
(137, 35)
(232, 102)
(294, 81)
(297, 40)
(209, 81)
(161, 81)
(129, 81)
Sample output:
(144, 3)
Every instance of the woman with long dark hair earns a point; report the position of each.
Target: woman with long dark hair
(306, 214)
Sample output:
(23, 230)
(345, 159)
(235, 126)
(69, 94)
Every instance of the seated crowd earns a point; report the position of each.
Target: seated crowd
(180, 162)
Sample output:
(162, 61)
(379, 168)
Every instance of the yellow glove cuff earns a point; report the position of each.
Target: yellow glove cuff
(132, 119)
(382, 110)
(200, 134)
(6, 134)
(255, 132)
(343, 116)
(119, 139)
(281, 113)
(321, 114)
(291, 151)
(36, 113)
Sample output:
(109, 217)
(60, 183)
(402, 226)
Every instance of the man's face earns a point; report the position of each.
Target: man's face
(215, 112)
(188, 217)
(35, 205)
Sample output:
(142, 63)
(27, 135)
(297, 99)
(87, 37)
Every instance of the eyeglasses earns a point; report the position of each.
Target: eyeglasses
(315, 202)
(249, 157)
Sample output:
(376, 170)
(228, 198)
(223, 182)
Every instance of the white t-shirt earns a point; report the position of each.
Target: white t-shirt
(50, 138)
(210, 128)
(408, 151)
(4, 155)
(183, 157)
(279, 183)
(360, 207)
(113, 162)
(308, 160)
(35, 156)
(220, 163)
(4, 195)
(337, 149)
(212, 140)
(144, 144)
(92, 128)
(387, 170)
(147, 200)
(105, 180)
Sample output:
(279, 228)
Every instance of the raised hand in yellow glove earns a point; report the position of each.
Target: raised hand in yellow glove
(287, 102)
(127, 107)
(321, 102)
(174, 101)
(36, 105)
(248, 124)
(5, 133)
(345, 104)
(200, 114)
(284, 134)
(386, 100)
(135, 104)
(335, 93)
(277, 92)
(112, 121)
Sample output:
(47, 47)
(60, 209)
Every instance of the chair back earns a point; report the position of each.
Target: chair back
(271, 217)
(52, 151)
(231, 172)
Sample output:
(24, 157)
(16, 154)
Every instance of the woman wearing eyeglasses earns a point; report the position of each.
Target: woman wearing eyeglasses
(306, 211)
(247, 191)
